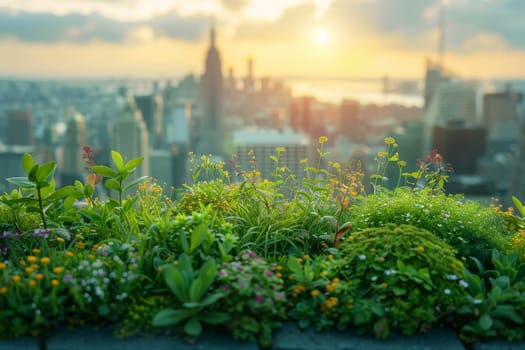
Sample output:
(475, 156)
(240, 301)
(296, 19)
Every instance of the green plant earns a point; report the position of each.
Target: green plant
(254, 297)
(468, 226)
(497, 298)
(191, 288)
(38, 188)
(117, 177)
(411, 272)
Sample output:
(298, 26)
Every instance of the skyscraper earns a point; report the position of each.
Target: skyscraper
(74, 139)
(19, 129)
(211, 125)
(129, 137)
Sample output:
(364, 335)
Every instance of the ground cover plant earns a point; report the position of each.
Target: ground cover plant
(330, 247)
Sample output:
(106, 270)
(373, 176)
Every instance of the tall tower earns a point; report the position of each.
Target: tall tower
(130, 137)
(74, 139)
(19, 130)
(211, 126)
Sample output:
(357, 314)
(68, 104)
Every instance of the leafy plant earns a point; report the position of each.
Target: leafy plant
(254, 297)
(468, 226)
(411, 272)
(38, 188)
(117, 177)
(191, 288)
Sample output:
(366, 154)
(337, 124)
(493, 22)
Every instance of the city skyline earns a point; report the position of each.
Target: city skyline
(329, 38)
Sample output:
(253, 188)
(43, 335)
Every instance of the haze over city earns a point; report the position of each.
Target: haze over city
(158, 79)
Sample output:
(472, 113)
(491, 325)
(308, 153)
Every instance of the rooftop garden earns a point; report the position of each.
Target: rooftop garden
(330, 249)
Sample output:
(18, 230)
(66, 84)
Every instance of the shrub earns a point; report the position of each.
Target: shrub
(253, 297)
(411, 272)
(469, 227)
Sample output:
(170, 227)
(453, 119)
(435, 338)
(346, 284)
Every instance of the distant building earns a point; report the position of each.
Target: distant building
(263, 143)
(249, 80)
(461, 145)
(453, 102)
(11, 160)
(129, 136)
(500, 116)
(517, 185)
(434, 75)
(150, 107)
(74, 139)
(19, 128)
(351, 124)
(211, 129)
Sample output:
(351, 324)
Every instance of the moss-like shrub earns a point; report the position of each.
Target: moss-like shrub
(411, 272)
(469, 227)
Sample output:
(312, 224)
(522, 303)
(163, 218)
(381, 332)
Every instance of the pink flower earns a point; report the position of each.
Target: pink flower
(259, 298)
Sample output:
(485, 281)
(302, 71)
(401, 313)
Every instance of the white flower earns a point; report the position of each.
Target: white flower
(447, 291)
(477, 301)
(362, 256)
(452, 277)
(463, 284)
(373, 278)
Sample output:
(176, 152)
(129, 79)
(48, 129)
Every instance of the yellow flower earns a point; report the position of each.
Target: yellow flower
(323, 139)
(336, 280)
(279, 268)
(306, 257)
(54, 283)
(32, 283)
(16, 279)
(91, 257)
(31, 259)
(29, 270)
(2, 266)
(69, 254)
(80, 245)
(58, 270)
(383, 285)
(36, 251)
(279, 275)
(330, 256)
(315, 293)
(39, 277)
(60, 239)
(280, 149)
(379, 259)
(330, 287)
(390, 140)
(23, 263)
(3, 290)
(420, 249)
(45, 260)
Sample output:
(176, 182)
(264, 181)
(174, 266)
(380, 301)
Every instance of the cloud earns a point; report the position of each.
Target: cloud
(81, 28)
(292, 23)
(235, 5)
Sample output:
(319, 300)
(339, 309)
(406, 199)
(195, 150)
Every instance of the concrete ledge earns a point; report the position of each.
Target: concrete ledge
(290, 337)
(293, 338)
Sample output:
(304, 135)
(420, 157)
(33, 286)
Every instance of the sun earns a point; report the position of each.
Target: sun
(322, 36)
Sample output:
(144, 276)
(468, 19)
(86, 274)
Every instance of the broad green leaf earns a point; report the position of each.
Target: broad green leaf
(61, 193)
(46, 171)
(117, 160)
(216, 317)
(32, 173)
(207, 275)
(113, 184)
(193, 327)
(21, 182)
(103, 170)
(170, 317)
(27, 163)
(175, 282)
(211, 299)
(485, 322)
(132, 164)
(399, 291)
(88, 190)
(198, 236)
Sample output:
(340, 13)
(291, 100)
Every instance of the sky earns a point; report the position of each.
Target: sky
(285, 38)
